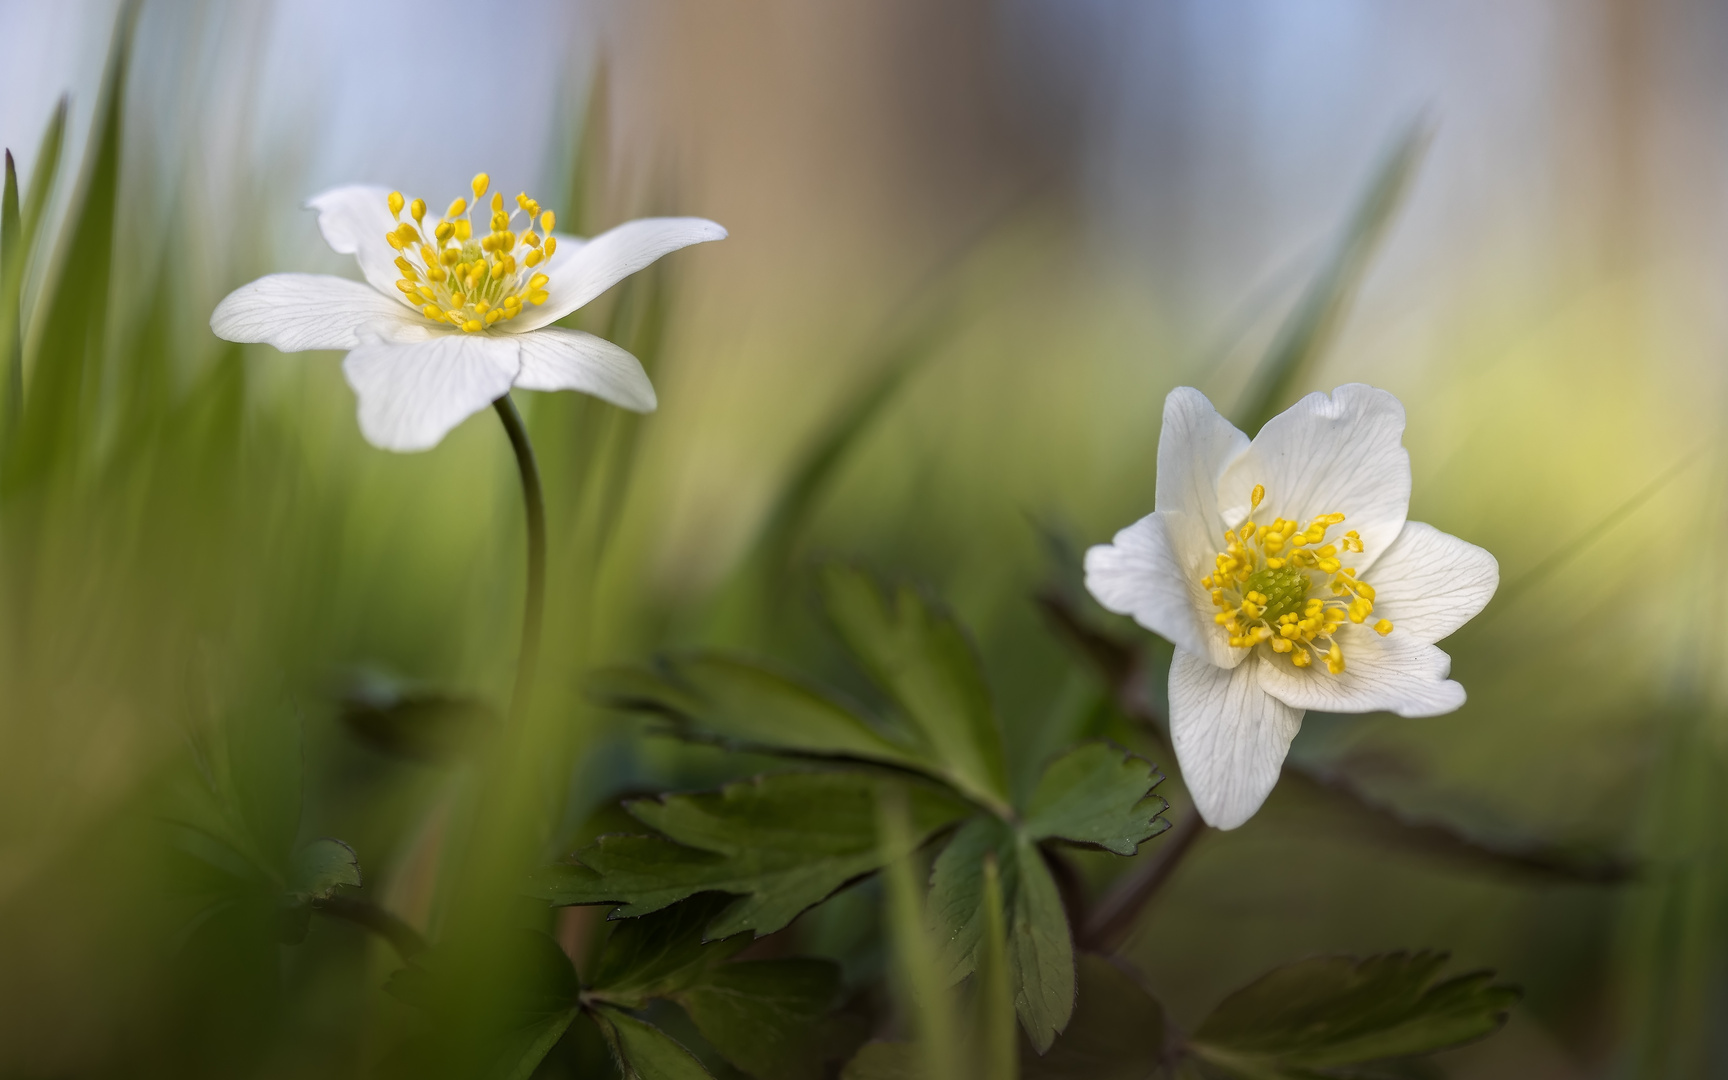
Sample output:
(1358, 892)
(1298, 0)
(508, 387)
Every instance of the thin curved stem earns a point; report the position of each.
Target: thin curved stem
(534, 606)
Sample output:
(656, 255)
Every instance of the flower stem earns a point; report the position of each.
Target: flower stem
(533, 608)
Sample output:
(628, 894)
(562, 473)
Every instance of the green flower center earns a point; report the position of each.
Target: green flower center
(1284, 589)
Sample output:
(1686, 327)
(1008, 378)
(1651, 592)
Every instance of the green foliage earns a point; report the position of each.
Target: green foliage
(643, 1051)
(19, 225)
(781, 843)
(749, 839)
(1333, 1012)
(1097, 795)
(922, 658)
(320, 867)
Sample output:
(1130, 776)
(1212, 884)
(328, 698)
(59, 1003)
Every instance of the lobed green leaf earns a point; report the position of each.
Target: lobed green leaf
(1336, 1011)
(923, 660)
(765, 1016)
(780, 843)
(1098, 794)
(643, 1051)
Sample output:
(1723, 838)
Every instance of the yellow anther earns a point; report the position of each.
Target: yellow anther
(546, 221)
(444, 231)
(1383, 627)
(500, 221)
(450, 257)
(406, 286)
(473, 325)
(538, 281)
(431, 312)
(538, 297)
(1301, 657)
(533, 257)
(464, 229)
(407, 268)
(1258, 495)
(417, 210)
(457, 209)
(458, 299)
(498, 202)
(494, 315)
(393, 240)
(481, 181)
(426, 294)
(395, 201)
(531, 238)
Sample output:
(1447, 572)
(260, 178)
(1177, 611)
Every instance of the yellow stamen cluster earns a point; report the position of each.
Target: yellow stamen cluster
(472, 284)
(1261, 582)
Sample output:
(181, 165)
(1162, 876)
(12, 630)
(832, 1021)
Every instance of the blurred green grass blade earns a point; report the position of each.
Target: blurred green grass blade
(993, 1003)
(75, 325)
(1310, 328)
(18, 226)
(923, 994)
(11, 294)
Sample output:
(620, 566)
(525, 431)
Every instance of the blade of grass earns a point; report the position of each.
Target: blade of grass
(993, 1004)
(18, 227)
(1310, 328)
(924, 998)
(52, 424)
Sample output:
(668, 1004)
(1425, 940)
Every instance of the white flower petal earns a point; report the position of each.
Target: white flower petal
(1430, 583)
(1140, 574)
(412, 395)
(578, 276)
(1195, 446)
(311, 311)
(1323, 455)
(559, 359)
(354, 220)
(1396, 673)
(1230, 737)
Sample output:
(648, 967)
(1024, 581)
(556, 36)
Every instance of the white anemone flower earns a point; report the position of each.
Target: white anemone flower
(452, 316)
(1270, 610)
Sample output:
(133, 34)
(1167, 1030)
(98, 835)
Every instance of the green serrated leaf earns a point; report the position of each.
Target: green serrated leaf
(1098, 794)
(1040, 949)
(923, 660)
(659, 954)
(752, 706)
(1336, 1011)
(781, 843)
(764, 1016)
(644, 1052)
(320, 867)
(1117, 1032)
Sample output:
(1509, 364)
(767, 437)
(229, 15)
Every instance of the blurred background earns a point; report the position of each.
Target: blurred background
(973, 244)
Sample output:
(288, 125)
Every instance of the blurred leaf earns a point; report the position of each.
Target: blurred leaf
(1117, 1031)
(1310, 328)
(18, 230)
(1040, 950)
(643, 1051)
(885, 1061)
(765, 1016)
(1098, 794)
(52, 425)
(925, 1002)
(922, 658)
(320, 868)
(750, 706)
(658, 954)
(781, 843)
(516, 1027)
(1336, 1011)
(411, 722)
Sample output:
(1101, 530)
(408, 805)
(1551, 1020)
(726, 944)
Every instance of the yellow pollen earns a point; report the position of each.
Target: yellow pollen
(470, 284)
(1282, 584)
